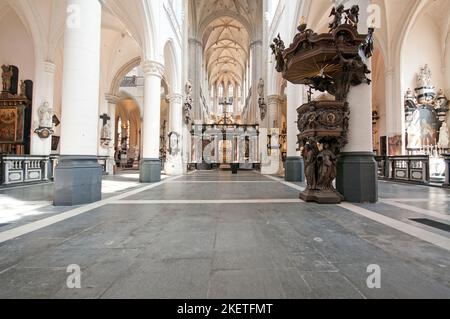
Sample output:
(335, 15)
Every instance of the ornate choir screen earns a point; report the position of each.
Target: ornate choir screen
(331, 62)
(223, 144)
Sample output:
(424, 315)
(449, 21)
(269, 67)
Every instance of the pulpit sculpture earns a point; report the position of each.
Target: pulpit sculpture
(332, 62)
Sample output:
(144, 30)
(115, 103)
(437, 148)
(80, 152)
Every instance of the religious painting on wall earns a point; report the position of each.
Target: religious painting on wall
(8, 125)
(395, 145)
(425, 116)
(422, 131)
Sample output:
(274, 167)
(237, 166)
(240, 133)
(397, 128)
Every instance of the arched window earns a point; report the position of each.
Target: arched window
(220, 91)
(230, 91)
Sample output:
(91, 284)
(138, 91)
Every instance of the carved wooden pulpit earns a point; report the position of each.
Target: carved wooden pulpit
(333, 63)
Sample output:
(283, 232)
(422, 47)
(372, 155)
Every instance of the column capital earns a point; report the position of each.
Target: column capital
(195, 41)
(111, 99)
(274, 99)
(255, 43)
(175, 98)
(153, 68)
(49, 67)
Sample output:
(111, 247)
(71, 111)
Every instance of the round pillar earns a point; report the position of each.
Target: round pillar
(357, 178)
(112, 104)
(294, 168)
(174, 165)
(78, 176)
(150, 167)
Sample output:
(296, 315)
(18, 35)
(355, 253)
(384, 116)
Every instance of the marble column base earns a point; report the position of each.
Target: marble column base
(272, 164)
(294, 169)
(110, 165)
(150, 171)
(357, 177)
(78, 181)
(174, 166)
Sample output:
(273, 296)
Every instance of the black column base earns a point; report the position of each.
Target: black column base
(294, 169)
(78, 181)
(357, 177)
(150, 171)
(204, 167)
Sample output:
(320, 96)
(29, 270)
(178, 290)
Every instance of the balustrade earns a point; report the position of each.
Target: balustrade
(31, 169)
(415, 169)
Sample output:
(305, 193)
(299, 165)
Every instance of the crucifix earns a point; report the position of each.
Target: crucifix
(105, 118)
(309, 94)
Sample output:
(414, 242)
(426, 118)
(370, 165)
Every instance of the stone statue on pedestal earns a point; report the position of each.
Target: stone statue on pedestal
(444, 137)
(45, 123)
(45, 114)
(7, 74)
(106, 131)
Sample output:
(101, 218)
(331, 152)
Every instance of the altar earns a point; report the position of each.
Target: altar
(15, 115)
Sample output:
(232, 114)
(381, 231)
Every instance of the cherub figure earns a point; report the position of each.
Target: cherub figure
(278, 48)
(352, 16)
(337, 13)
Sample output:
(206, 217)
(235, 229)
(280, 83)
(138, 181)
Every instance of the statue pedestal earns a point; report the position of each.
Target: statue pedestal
(321, 196)
(322, 126)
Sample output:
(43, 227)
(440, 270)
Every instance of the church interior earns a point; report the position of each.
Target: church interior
(223, 149)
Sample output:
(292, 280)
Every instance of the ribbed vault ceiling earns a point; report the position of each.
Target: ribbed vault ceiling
(226, 43)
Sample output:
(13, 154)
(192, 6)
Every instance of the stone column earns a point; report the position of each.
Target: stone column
(394, 117)
(39, 146)
(357, 178)
(270, 162)
(150, 168)
(273, 108)
(112, 104)
(195, 75)
(174, 165)
(294, 163)
(256, 73)
(78, 176)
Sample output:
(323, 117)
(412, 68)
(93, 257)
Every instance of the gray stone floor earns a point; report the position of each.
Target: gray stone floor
(217, 235)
